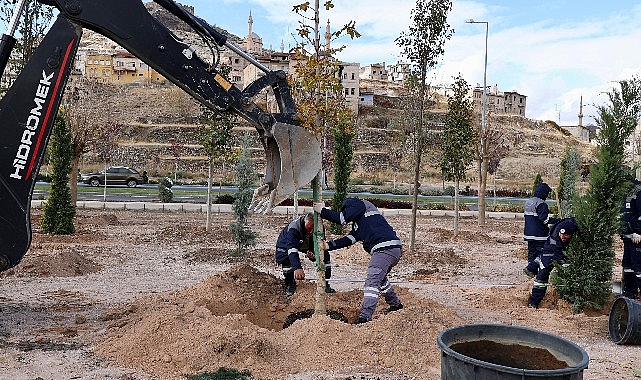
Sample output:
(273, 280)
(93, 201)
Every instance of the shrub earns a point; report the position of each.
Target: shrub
(386, 203)
(165, 194)
(225, 199)
(223, 374)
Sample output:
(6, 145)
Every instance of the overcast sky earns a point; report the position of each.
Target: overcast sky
(553, 52)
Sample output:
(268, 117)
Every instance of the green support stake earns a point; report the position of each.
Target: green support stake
(321, 301)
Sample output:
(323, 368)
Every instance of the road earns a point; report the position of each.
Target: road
(198, 194)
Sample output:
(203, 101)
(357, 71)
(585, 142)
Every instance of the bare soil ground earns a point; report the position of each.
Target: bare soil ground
(150, 295)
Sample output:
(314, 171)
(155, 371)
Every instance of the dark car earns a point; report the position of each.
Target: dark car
(115, 175)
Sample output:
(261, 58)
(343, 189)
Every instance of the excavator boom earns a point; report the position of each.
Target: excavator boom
(28, 109)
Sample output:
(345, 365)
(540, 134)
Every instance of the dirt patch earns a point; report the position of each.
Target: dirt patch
(149, 295)
(59, 263)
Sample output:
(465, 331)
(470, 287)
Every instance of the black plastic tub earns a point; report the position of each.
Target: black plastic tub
(624, 323)
(502, 352)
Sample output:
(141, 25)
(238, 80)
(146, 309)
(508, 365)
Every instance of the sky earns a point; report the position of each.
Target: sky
(553, 51)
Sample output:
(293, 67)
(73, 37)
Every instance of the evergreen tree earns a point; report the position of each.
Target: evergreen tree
(458, 135)
(165, 193)
(537, 179)
(243, 236)
(343, 134)
(570, 166)
(59, 212)
(586, 279)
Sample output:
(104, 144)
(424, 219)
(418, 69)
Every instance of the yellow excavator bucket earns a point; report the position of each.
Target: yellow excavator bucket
(293, 159)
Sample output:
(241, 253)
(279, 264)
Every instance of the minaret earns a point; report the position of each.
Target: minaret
(250, 40)
(581, 113)
(282, 46)
(328, 37)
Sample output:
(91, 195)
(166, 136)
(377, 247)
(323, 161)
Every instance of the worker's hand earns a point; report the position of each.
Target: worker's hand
(310, 256)
(299, 274)
(318, 207)
(636, 238)
(322, 244)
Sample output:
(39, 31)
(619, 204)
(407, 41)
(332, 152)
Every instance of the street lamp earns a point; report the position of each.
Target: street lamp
(483, 172)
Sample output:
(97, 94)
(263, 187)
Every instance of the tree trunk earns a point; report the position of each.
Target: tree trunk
(321, 297)
(209, 183)
(456, 211)
(482, 188)
(417, 177)
(73, 180)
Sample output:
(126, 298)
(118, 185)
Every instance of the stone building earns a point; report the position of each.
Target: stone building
(373, 71)
(499, 103)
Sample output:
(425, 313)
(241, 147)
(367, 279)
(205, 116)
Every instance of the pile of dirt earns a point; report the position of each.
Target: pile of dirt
(236, 319)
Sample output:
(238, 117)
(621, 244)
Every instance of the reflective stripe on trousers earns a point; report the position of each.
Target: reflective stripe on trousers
(379, 266)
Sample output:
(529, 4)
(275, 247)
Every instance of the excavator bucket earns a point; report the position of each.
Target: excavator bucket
(293, 159)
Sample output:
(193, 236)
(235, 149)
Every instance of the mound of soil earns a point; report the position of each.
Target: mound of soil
(235, 319)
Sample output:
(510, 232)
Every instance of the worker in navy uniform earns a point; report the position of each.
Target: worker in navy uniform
(535, 228)
(297, 237)
(552, 251)
(378, 239)
(631, 237)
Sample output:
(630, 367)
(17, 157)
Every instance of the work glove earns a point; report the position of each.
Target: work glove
(318, 207)
(636, 238)
(322, 244)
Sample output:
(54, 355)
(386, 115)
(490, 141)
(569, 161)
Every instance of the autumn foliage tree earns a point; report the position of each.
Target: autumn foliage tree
(318, 93)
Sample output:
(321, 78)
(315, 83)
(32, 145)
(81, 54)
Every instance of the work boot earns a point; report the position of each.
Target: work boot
(532, 306)
(528, 272)
(290, 289)
(360, 320)
(392, 308)
(329, 289)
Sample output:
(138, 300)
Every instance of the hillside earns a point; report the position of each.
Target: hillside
(157, 132)
(156, 120)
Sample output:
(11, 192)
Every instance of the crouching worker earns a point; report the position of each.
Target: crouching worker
(378, 239)
(297, 237)
(552, 251)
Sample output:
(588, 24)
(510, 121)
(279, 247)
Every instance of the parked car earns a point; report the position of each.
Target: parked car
(115, 175)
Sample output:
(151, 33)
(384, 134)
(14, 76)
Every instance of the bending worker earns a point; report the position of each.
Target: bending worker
(297, 237)
(552, 251)
(378, 239)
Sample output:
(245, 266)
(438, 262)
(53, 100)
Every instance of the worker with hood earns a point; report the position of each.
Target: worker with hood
(535, 229)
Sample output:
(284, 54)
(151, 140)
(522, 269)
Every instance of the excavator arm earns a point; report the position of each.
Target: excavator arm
(28, 109)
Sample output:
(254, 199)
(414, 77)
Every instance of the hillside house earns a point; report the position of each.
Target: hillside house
(499, 103)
